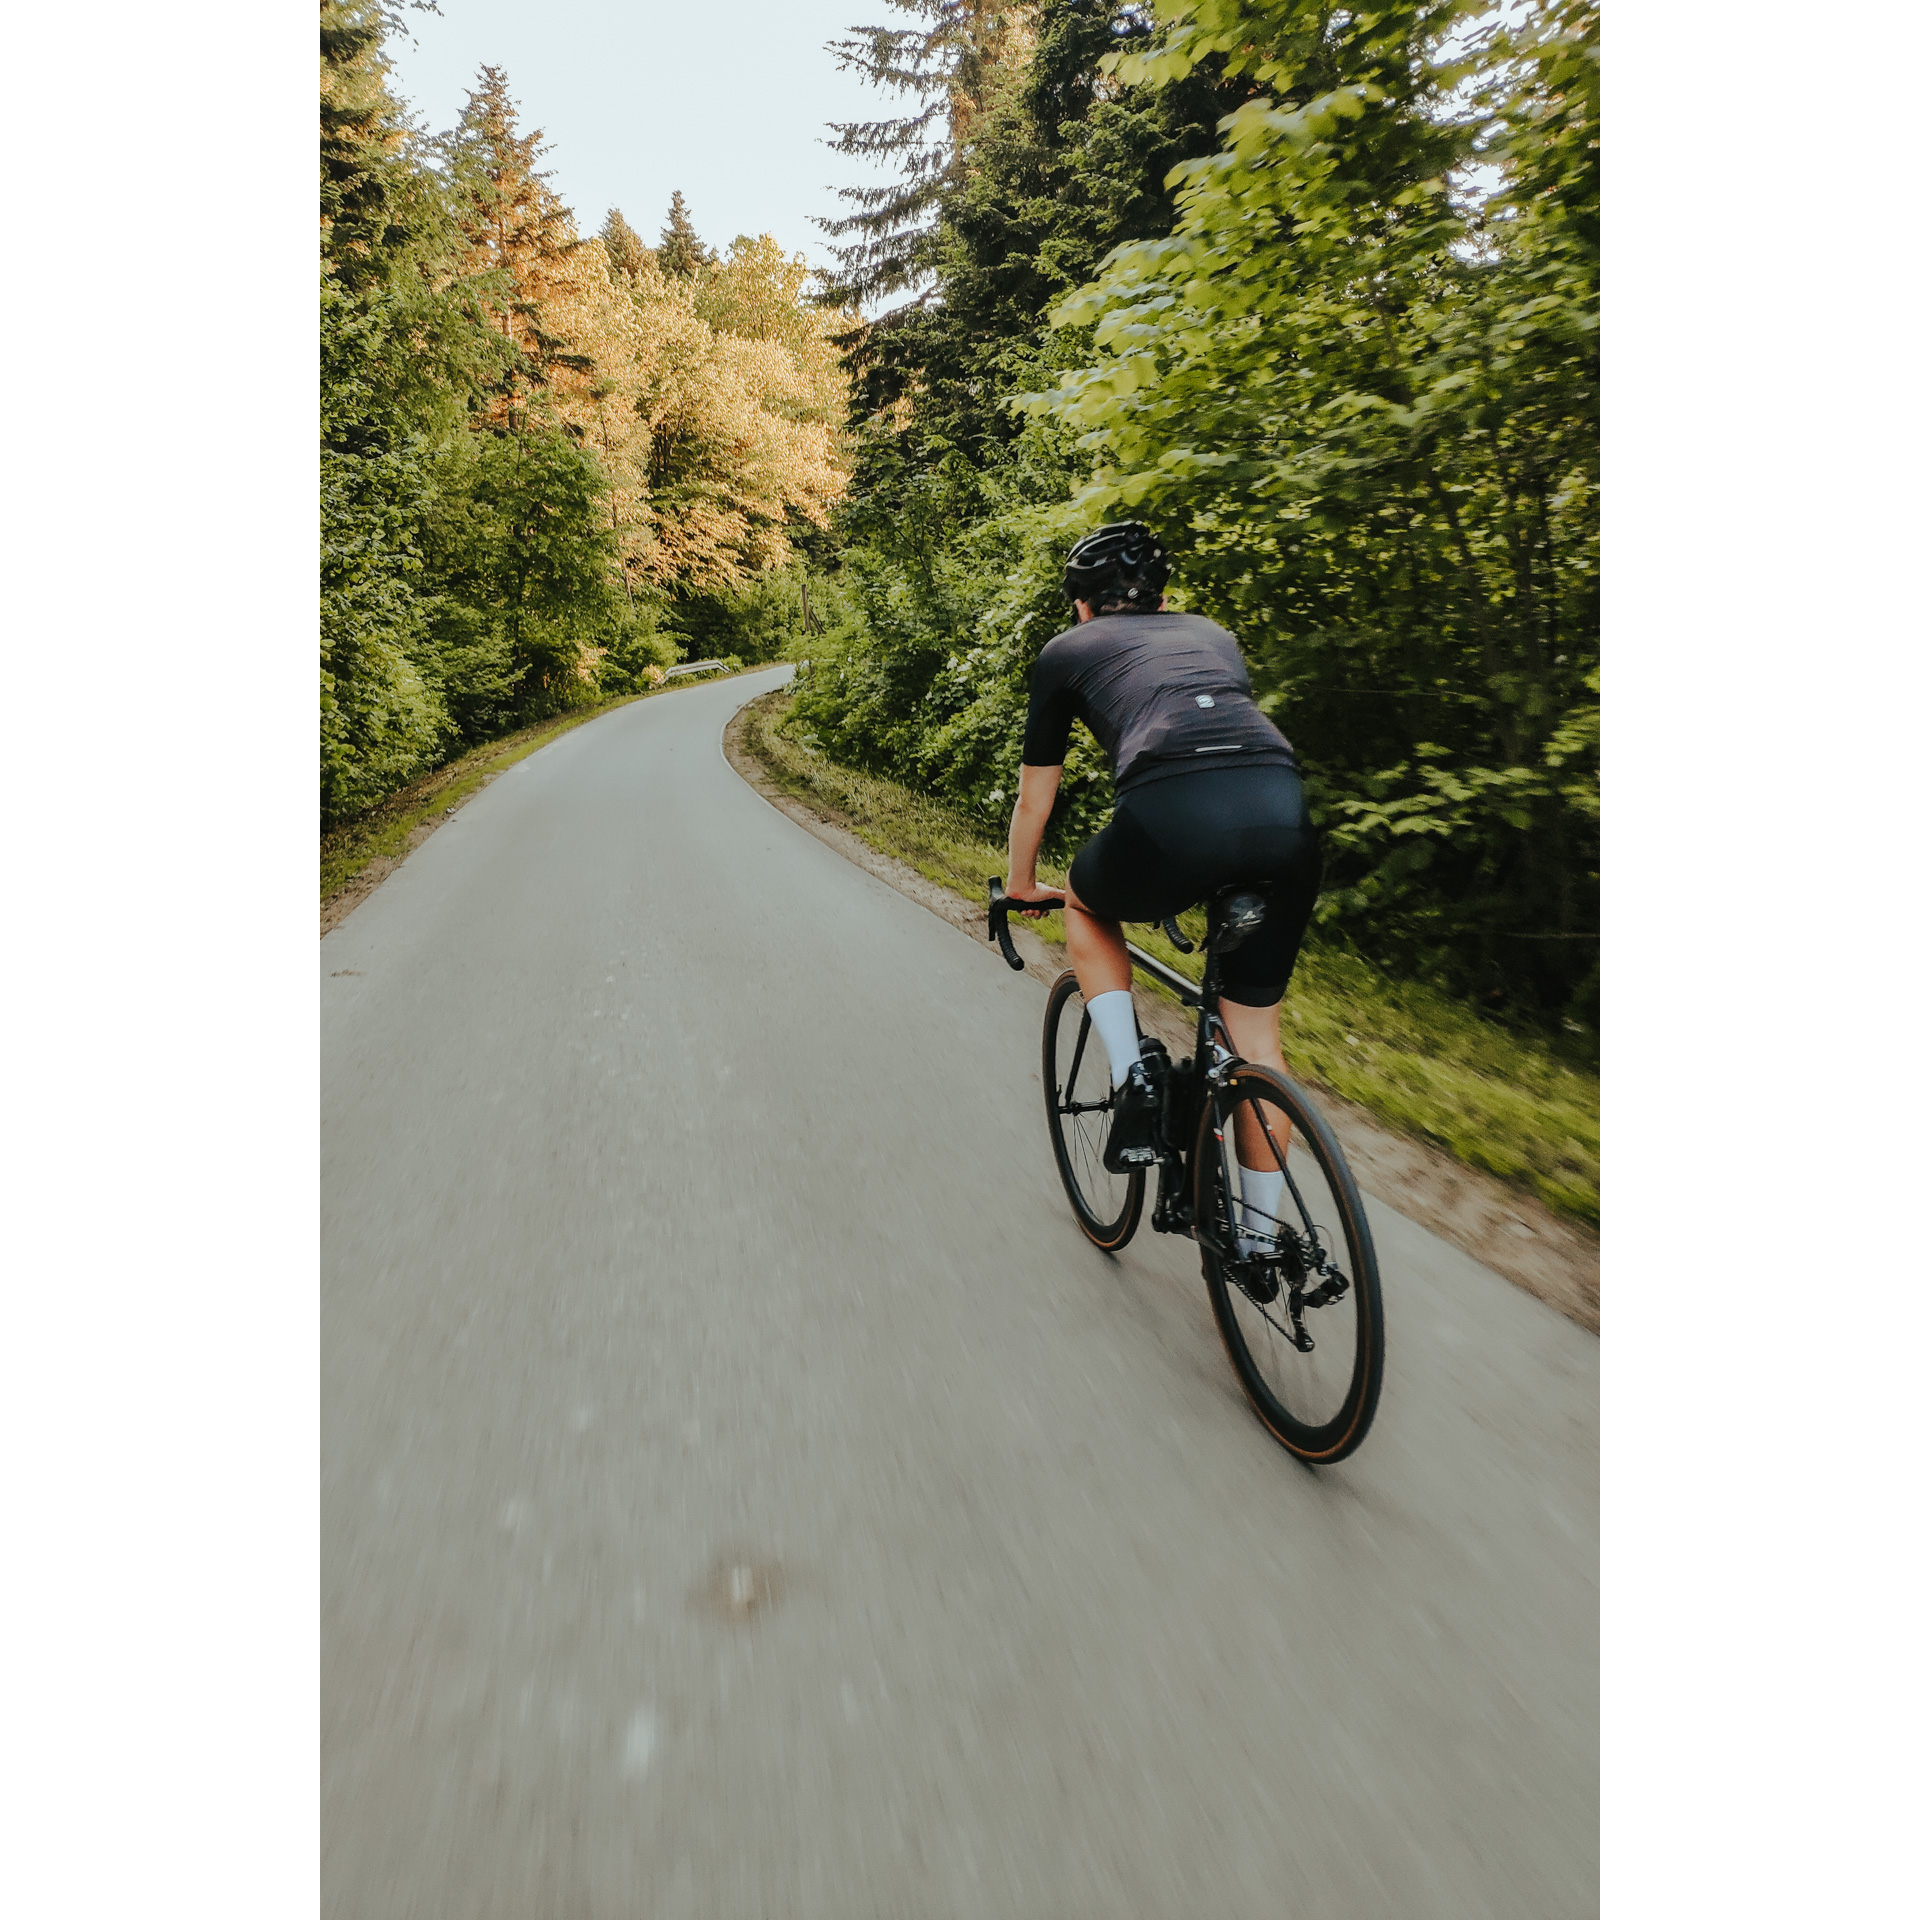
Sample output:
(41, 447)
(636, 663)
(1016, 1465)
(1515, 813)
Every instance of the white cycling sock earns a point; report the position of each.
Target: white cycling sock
(1259, 1208)
(1112, 1017)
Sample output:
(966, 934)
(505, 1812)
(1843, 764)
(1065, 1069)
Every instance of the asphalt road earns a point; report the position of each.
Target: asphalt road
(745, 1493)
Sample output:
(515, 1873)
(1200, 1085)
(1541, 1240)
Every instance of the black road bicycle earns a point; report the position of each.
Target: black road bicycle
(1300, 1315)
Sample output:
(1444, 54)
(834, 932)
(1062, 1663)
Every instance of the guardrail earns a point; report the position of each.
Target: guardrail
(693, 666)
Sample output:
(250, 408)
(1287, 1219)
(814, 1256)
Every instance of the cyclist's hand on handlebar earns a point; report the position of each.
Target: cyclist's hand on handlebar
(1035, 894)
(1031, 900)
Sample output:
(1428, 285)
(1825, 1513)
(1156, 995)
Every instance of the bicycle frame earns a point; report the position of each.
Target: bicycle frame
(1213, 1058)
(1174, 1210)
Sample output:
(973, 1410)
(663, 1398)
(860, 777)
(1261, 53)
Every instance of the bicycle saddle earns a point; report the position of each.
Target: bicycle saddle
(1232, 917)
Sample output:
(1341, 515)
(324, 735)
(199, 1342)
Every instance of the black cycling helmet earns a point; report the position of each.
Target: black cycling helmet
(1117, 566)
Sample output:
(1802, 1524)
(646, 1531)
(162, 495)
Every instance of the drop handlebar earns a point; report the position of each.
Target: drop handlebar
(998, 907)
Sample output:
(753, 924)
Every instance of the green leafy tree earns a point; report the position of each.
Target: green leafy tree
(1057, 166)
(520, 548)
(398, 350)
(382, 719)
(1363, 403)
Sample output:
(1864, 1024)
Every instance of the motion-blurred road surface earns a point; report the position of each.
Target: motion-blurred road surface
(747, 1494)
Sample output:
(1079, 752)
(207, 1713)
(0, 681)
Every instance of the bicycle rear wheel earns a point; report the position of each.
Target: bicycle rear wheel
(1303, 1326)
(1073, 1068)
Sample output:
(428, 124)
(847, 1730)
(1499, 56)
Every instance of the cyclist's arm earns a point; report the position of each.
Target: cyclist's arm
(1050, 714)
(1038, 787)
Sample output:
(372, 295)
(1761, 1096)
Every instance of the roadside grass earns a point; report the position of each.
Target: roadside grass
(383, 831)
(1424, 1063)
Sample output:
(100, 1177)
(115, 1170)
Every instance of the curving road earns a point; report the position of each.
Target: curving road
(746, 1494)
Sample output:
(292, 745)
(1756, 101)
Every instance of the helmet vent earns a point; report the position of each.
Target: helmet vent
(1117, 566)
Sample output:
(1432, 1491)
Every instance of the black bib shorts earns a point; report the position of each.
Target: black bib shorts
(1176, 840)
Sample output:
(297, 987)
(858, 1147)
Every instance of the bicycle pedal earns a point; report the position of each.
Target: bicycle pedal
(1138, 1156)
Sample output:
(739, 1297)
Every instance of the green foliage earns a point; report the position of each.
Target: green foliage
(925, 678)
(766, 621)
(408, 668)
(381, 719)
(1358, 398)
(1363, 407)
(382, 716)
(626, 251)
(520, 546)
(635, 643)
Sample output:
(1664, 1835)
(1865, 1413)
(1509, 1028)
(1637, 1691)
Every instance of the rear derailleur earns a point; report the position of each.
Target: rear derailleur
(1291, 1262)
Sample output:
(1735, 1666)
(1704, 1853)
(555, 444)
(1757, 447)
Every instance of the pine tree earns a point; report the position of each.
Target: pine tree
(358, 133)
(946, 69)
(625, 248)
(519, 234)
(1059, 166)
(681, 252)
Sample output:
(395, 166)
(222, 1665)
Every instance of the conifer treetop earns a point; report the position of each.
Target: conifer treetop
(625, 249)
(945, 67)
(681, 250)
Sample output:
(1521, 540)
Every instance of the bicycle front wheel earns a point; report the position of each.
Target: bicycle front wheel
(1301, 1318)
(1073, 1068)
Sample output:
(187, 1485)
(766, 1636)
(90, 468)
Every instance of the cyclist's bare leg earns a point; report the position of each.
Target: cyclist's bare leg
(1096, 950)
(1255, 1033)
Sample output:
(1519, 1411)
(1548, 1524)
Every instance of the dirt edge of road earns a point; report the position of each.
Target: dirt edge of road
(364, 884)
(1510, 1231)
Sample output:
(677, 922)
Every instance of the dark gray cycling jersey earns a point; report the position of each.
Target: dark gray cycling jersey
(1163, 693)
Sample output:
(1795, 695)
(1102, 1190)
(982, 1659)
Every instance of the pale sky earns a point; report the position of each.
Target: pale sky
(638, 97)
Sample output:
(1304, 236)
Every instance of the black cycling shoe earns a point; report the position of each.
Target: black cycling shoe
(1136, 1123)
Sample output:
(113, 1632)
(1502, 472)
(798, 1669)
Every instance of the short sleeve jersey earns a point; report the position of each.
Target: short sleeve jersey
(1163, 693)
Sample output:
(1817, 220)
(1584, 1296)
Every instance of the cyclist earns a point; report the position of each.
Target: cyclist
(1207, 795)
